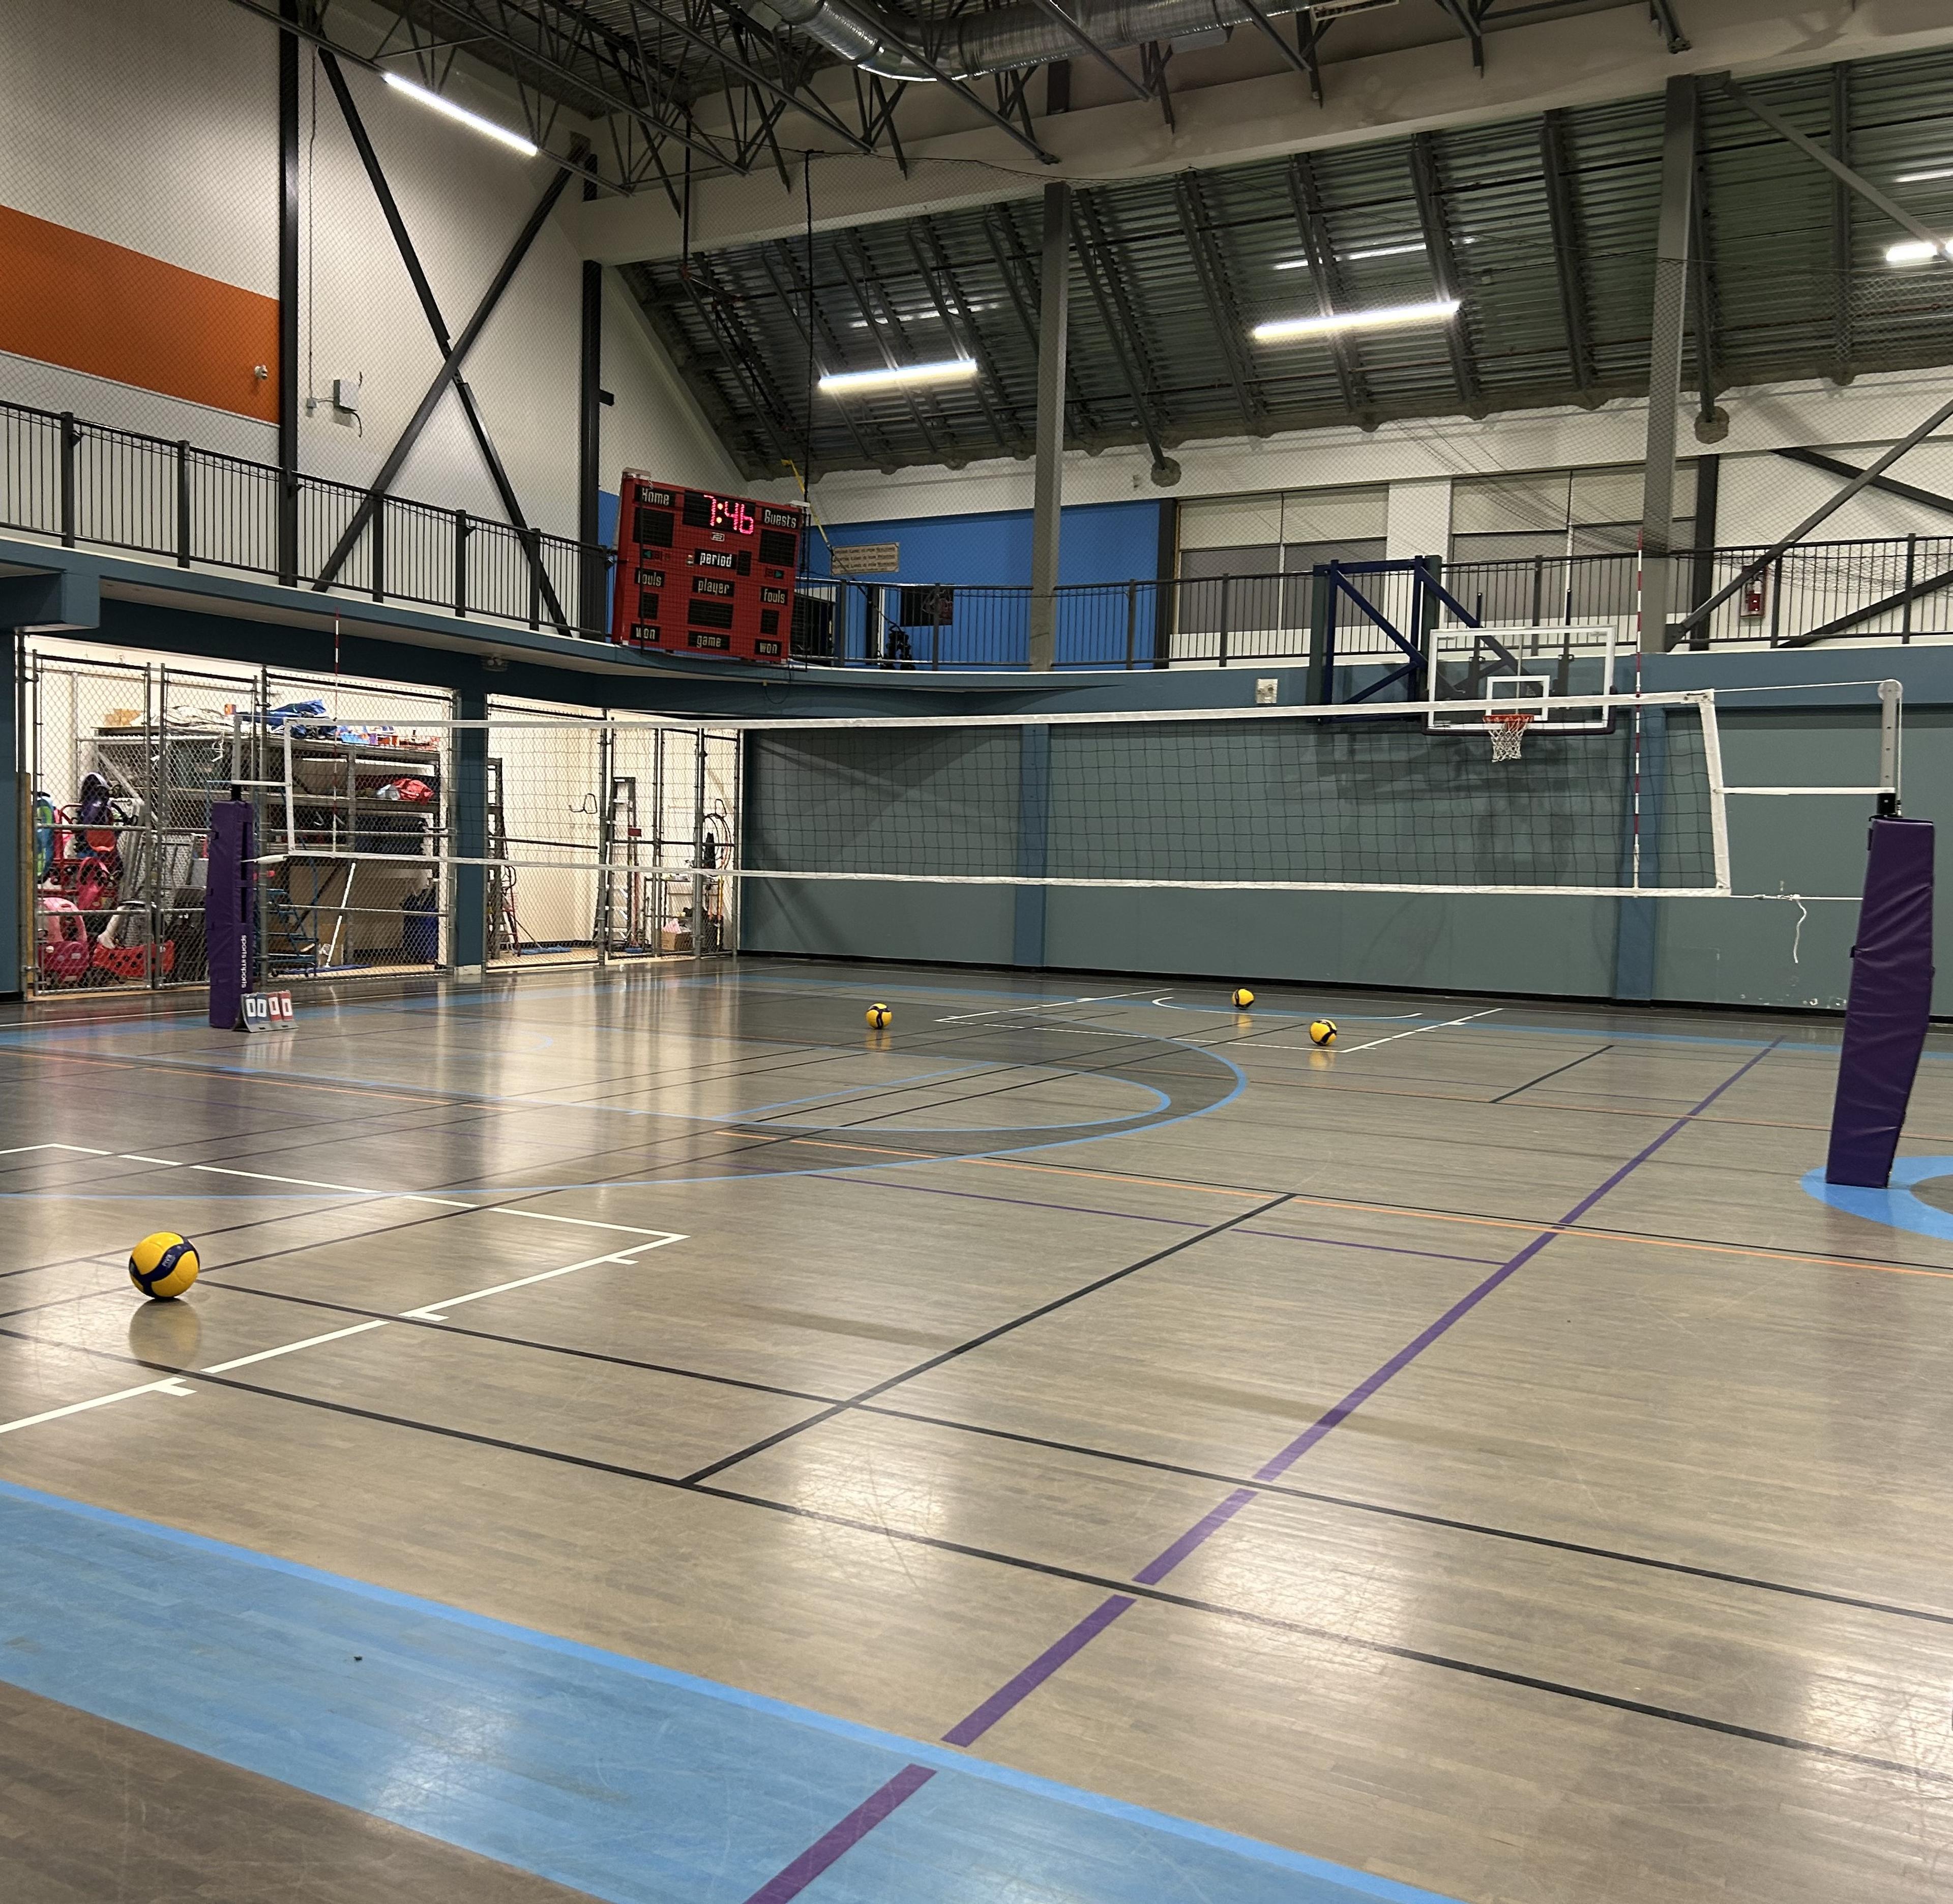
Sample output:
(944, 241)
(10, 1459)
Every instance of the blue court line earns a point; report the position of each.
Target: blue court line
(618, 1777)
(1897, 1208)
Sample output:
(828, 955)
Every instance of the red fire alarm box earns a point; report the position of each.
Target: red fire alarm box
(699, 573)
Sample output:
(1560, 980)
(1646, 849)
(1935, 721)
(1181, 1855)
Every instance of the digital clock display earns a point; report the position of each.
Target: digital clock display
(725, 513)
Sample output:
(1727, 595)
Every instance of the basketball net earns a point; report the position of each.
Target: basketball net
(1508, 732)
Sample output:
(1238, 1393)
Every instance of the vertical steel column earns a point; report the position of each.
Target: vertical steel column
(1054, 297)
(288, 298)
(1708, 502)
(1671, 314)
(590, 605)
(16, 844)
(468, 938)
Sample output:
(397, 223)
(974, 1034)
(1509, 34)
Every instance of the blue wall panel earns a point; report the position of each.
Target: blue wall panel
(1097, 542)
(1109, 543)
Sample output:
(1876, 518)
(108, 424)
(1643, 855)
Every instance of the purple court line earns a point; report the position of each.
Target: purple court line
(797, 1875)
(969, 1729)
(815, 1859)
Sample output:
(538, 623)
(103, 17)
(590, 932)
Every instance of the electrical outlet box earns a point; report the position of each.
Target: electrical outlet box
(345, 395)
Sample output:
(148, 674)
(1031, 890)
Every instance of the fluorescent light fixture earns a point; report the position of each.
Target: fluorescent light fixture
(1915, 251)
(1376, 251)
(1384, 316)
(841, 383)
(513, 139)
(1924, 178)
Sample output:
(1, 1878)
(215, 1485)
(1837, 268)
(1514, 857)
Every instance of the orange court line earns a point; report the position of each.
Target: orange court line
(1488, 1222)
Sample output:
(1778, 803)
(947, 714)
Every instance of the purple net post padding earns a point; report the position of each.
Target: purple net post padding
(1891, 1002)
(229, 918)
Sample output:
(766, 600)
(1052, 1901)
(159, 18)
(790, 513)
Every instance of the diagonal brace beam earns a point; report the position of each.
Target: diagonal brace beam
(498, 475)
(1837, 168)
(1052, 9)
(449, 372)
(1926, 498)
(1843, 624)
(1863, 480)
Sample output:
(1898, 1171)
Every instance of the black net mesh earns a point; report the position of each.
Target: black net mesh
(1356, 801)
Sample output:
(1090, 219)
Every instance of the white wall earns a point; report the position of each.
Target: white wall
(153, 124)
(656, 424)
(1763, 495)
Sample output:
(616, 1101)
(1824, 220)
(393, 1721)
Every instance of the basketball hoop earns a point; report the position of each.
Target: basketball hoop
(1508, 732)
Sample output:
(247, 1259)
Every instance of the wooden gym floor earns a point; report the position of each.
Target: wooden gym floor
(650, 1437)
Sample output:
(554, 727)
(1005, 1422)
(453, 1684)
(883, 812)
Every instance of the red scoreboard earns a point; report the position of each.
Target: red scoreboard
(703, 574)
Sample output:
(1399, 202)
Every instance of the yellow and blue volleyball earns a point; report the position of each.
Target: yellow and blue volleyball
(164, 1265)
(880, 1016)
(1243, 998)
(1322, 1031)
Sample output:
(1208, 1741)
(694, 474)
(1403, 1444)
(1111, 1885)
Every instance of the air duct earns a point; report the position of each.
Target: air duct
(1021, 35)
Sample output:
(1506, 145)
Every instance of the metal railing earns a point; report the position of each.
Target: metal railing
(76, 481)
(80, 482)
(1897, 590)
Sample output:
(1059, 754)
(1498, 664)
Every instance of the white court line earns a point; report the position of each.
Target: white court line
(1350, 1051)
(582, 1222)
(431, 1312)
(310, 1342)
(175, 1385)
(352, 1190)
(169, 1386)
(1056, 1005)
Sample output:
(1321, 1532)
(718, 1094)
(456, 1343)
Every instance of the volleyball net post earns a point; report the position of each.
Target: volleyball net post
(1889, 1006)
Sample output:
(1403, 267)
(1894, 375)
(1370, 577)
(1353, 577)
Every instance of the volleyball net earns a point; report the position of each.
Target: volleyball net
(1598, 794)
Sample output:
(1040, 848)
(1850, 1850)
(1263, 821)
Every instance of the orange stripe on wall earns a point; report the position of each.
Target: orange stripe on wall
(70, 298)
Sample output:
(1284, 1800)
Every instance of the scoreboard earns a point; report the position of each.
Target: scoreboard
(704, 574)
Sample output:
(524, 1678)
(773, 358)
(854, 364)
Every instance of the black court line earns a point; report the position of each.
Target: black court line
(842, 1404)
(1550, 1074)
(513, 1196)
(1446, 1662)
(979, 1341)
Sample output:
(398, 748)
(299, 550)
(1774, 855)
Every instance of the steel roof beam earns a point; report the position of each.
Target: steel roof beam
(1568, 259)
(861, 281)
(1015, 270)
(1429, 189)
(1325, 274)
(1109, 292)
(1191, 203)
(802, 322)
(710, 305)
(1007, 439)
(948, 294)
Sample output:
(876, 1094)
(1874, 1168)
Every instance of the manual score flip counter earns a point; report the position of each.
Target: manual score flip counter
(702, 574)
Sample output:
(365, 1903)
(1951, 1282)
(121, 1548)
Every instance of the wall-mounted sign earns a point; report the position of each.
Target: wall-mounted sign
(866, 558)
